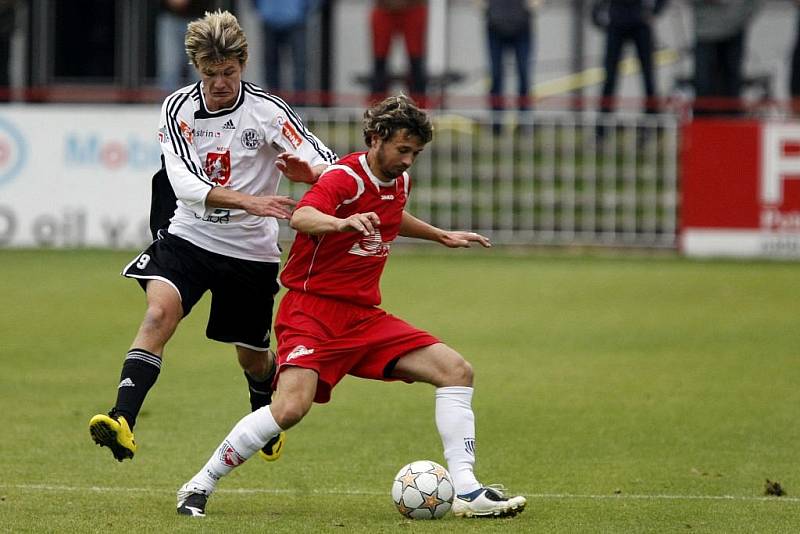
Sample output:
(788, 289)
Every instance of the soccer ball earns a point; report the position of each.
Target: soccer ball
(423, 490)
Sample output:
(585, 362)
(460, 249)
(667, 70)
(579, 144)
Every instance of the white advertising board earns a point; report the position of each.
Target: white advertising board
(77, 176)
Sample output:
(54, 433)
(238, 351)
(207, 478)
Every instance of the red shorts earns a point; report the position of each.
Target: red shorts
(336, 338)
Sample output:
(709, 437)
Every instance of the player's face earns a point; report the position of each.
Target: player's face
(395, 155)
(221, 83)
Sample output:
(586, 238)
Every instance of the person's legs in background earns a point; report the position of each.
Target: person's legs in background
(496, 98)
(172, 63)
(414, 22)
(272, 59)
(381, 23)
(297, 42)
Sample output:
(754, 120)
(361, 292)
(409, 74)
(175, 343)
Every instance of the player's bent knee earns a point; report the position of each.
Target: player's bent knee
(459, 373)
(289, 413)
(158, 317)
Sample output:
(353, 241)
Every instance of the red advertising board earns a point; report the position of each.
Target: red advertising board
(740, 188)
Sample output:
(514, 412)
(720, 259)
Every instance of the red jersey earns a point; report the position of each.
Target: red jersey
(347, 265)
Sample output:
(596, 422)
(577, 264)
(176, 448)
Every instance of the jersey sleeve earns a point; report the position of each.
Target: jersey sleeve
(338, 185)
(184, 168)
(285, 131)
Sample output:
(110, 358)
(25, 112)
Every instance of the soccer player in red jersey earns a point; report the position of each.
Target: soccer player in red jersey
(329, 324)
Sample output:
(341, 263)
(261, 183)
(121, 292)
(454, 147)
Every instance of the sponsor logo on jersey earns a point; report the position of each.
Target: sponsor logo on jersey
(229, 125)
(299, 350)
(163, 135)
(229, 456)
(187, 132)
(207, 133)
(219, 216)
(218, 167)
(371, 245)
(291, 135)
(250, 139)
(387, 197)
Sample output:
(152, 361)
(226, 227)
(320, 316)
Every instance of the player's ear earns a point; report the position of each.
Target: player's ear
(374, 140)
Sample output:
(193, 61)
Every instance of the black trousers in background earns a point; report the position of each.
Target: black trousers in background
(794, 81)
(642, 37)
(718, 75)
(5, 52)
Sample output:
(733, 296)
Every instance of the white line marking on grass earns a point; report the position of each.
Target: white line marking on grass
(286, 491)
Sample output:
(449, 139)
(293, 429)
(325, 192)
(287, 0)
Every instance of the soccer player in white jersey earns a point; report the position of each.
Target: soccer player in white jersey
(225, 144)
(329, 324)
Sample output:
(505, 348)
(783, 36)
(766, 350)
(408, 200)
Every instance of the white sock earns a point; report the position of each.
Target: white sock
(252, 432)
(456, 423)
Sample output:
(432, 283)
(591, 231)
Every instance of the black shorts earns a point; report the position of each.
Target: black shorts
(242, 291)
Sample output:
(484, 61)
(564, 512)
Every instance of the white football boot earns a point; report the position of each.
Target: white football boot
(488, 501)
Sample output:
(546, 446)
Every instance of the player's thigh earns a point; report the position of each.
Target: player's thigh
(163, 304)
(241, 303)
(435, 364)
(176, 263)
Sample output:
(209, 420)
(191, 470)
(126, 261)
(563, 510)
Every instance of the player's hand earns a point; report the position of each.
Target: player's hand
(295, 168)
(464, 239)
(276, 206)
(364, 223)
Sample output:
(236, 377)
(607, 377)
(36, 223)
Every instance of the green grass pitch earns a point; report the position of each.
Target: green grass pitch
(619, 393)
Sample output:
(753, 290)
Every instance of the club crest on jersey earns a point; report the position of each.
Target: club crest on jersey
(218, 167)
(163, 135)
(371, 245)
(250, 139)
(187, 132)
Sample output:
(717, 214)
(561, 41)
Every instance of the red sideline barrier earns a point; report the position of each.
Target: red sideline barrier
(740, 188)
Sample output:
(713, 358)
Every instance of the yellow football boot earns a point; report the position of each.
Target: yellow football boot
(274, 447)
(114, 433)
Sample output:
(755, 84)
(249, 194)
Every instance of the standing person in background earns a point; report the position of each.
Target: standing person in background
(794, 79)
(329, 324)
(509, 28)
(225, 143)
(409, 18)
(284, 27)
(720, 29)
(623, 21)
(171, 21)
(8, 12)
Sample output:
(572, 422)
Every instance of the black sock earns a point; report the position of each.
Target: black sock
(139, 373)
(261, 390)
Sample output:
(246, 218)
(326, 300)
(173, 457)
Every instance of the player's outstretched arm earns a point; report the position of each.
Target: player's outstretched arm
(410, 226)
(264, 206)
(297, 169)
(311, 221)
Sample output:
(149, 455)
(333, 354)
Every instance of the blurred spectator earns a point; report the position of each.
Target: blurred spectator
(284, 27)
(410, 18)
(174, 15)
(794, 82)
(7, 20)
(720, 28)
(509, 28)
(624, 21)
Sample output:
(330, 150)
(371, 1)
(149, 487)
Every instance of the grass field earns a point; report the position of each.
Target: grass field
(620, 394)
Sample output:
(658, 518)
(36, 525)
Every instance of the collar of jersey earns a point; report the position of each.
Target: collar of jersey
(372, 178)
(223, 111)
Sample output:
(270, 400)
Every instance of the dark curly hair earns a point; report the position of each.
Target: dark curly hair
(394, 114)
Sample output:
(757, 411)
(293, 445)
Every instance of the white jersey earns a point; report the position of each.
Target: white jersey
(236, 148)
